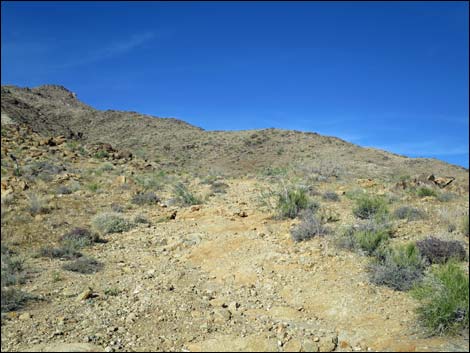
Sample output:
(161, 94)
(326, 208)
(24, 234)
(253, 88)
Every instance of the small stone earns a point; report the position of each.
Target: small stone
(87, 293)
(25, 316)
(292, 346)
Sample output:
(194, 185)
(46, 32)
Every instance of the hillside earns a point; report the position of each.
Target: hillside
(262, 240)
(173, 144)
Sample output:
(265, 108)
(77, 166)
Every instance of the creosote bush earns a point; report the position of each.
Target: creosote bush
(409, 213)
(110, 222)
(308, 228)
(291, 201)
(368, 207)
(438, 251)
(330, 196)
(398, 268)
(465, 226)
(368, 237)
(37, 205)
(145, 198)
(83, 265)
(184, 196)
(424, 191)
(444, 299)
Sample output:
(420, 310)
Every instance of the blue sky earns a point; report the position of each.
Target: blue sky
(391, 75)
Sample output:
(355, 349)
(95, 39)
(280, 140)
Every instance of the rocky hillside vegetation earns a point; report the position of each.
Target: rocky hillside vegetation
(124, 232)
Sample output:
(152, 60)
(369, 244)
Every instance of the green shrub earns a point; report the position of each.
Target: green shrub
(292, 201)
(93, 187)
(444, 299)
(424, 191)
(101, 155)
(410, 213)
(398, 268)
(110, 222)
(369, 238)
(368, 207)
(309, 227)
(84, 265)
(184, 196)
(152, 181)
(438, 251)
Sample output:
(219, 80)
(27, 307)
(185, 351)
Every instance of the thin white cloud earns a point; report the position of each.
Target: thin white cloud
(112, 50)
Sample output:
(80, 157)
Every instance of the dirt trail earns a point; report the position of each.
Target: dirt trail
(214, 280)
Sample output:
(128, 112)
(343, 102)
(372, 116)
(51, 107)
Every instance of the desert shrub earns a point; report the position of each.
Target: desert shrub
(398, 268)
(141, 219)
(410, 213)
(110, 222)
(355, 194)
(291, 201)
(63, 190)
(368, 237)
(309, 227)
(446, 196)
(330, 196)
(145, 198)
(369, 206)
(83, 265)
(438, 251)
(106, 167)
(80, 238)
(117, 208)
(184, 196)
(219, 187)
(424, 191)
(11, 274)
(11, 267)
(13, 299)
(101, 154)
(465, 227)
(42, 170)
(64, 252)
(444, 299)
(93, 187)
(152, 181)
(37, 205)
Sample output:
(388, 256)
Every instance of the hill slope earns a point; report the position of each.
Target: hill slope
(53, 110)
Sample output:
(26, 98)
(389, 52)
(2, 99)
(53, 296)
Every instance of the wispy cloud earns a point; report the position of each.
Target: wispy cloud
(113, 49)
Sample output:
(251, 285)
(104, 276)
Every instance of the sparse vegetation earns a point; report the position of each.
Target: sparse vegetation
(11, 275)
(64, 252)
(409, 213)
(145, 198)
(366, 237)
(37, 205)
(309, 227)
(437, 251)
(291, 201)
(63, 190)
(368, 207)
(184, 196)
(424, 191)
(465, 227)
(444, 297)
(331, 196)
(110, 222)
(83, 265)
(398, 268)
